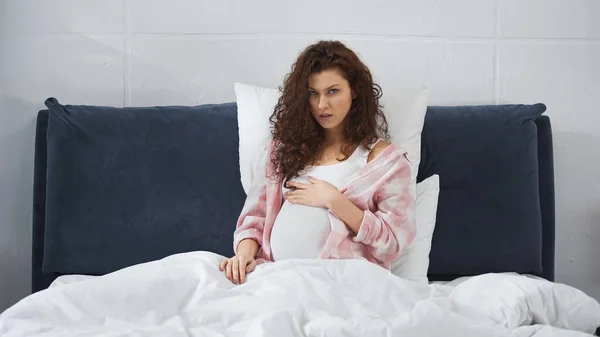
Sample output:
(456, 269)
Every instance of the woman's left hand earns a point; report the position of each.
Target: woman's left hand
(318, 193)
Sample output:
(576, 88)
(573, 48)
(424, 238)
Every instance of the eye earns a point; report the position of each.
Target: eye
(312, 92)
(333, 91)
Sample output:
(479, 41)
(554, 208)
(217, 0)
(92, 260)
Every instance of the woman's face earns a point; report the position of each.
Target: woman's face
(330, 98)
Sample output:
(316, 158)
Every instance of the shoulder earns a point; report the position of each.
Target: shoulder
(377, 149)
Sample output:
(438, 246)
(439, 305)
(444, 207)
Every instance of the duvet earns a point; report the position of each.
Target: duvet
(187, 295)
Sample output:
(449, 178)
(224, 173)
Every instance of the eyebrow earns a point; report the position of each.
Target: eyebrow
(331, 86)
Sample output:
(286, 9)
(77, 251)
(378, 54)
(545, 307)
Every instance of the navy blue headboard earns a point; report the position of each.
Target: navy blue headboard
(114, 187)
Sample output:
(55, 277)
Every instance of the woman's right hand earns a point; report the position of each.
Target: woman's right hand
(237, 267)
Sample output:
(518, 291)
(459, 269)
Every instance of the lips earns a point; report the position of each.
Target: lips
(325, 116)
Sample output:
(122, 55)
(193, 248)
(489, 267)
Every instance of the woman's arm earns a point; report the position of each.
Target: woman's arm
(351, 215)
(344, 208)
(248, 247)
(385, 231)
(251, 221)
(389, 229)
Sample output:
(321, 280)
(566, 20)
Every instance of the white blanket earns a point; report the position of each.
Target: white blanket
(187, 295)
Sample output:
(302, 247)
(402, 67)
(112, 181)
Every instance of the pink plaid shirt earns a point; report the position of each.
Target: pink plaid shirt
(380, 189)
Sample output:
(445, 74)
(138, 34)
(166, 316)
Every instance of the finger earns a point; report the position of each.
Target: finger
(296, 194)
(298, 201)
(250, 267)
(312, 180)
(297, 185)
(228, 270)
(243, 271)
(291, 194)
(301, 194)
(222, 265)
(236, 271)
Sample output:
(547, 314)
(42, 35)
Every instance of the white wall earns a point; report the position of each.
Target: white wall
(150, 52)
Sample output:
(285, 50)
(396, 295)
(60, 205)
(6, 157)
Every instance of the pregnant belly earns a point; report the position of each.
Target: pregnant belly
(299, 232)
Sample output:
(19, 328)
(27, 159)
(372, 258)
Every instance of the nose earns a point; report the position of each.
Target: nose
(322, 103)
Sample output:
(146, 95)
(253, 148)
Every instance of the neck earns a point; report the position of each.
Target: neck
(333, 137)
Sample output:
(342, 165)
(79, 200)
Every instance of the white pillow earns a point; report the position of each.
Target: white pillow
(405, 112)
(414, 261)
(254, 107)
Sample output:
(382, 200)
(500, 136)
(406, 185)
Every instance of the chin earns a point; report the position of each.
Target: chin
(329, 127)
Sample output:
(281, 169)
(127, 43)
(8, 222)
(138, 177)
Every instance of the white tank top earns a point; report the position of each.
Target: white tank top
(300, 231)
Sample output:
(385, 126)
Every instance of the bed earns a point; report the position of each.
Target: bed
(134, 207)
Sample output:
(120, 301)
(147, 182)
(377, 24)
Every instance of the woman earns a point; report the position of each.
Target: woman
(330, 185)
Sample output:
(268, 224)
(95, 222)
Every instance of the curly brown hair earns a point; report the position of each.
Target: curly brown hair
(298, 137)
